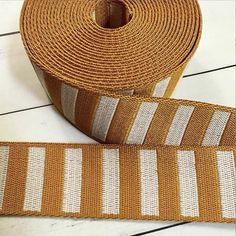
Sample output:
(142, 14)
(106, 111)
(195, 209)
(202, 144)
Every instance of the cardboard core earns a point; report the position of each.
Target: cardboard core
(111, 14)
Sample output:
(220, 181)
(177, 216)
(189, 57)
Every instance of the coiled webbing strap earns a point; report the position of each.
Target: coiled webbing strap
(109, 68)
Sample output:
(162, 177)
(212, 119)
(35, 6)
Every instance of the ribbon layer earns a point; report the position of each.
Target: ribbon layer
(118, 181)
(109, 68)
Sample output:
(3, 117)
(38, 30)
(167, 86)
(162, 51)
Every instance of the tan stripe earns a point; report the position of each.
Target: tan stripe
(4, 156)
(129, 183)
(197, 126)
(208, 185)
(111, 182)
(160, 124)
(122, 120)
(169, 198)
(13, 200)
(229, 135)
(53, 180)
(85, 110)
(91, 196)
(175, 77)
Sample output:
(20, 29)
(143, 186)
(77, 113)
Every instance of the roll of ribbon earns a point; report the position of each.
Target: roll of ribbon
(109, 67)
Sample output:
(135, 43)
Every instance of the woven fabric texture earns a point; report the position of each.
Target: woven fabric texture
(110, 66)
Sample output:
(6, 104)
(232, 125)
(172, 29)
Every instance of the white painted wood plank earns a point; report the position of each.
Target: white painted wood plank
(216, 87)
(196, 229)
(19, 86)
(217, 45)
(10, 14)
(73, 227)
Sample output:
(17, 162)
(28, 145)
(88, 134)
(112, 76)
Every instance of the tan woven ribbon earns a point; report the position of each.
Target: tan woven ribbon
(109, 67)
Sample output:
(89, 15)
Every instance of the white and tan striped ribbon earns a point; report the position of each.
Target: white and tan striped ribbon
(150, 206)
(118, 98)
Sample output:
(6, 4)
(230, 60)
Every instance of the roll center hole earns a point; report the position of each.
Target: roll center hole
(111, 14)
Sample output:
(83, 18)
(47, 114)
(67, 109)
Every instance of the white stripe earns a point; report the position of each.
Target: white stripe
(72, 180)
(227, 179)
(149, 183)
(142, 122)
(161, 87)
(179, 124)
(188, 184)
(4, 155)
(68, 101)
(103, 117)
(216, 128)
(110, 183)
(34, 180)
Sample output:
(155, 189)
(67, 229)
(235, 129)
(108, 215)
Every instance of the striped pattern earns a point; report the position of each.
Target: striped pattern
(141, 123)
(168, 178)
(227, 179)
(161, 87)
(179, 124)
(4, 155)
(188, 184)
(34, 181)
(104, 114)
(216, 128)
(108, 170)
(68, 101)
(149, 183)
(110, 183)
